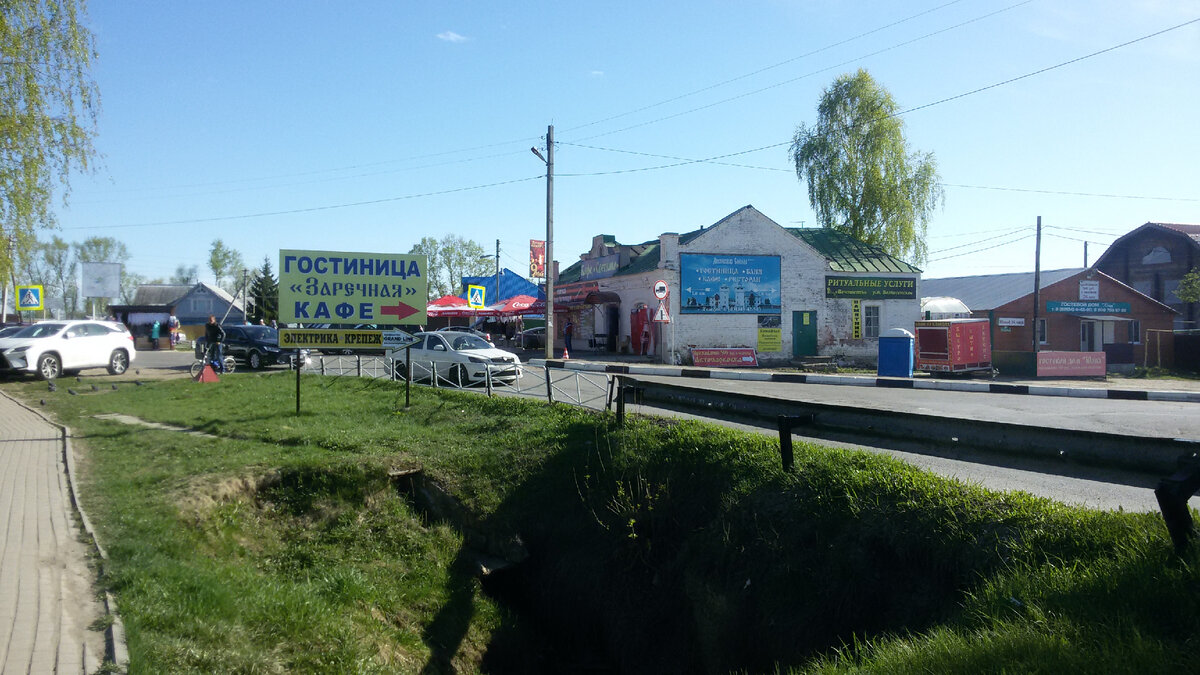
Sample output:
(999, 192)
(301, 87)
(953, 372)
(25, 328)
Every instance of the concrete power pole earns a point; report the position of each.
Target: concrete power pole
(1037, 287)
(498, 296)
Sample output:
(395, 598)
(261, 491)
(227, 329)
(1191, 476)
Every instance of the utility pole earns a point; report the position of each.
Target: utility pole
(1085, 255)
(1037, 286)
(498, 298)
(549, 160)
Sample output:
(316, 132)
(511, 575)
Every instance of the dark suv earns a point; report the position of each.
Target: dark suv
(256, 346)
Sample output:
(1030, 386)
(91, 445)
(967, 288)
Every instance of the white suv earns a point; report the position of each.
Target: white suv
(51, 347)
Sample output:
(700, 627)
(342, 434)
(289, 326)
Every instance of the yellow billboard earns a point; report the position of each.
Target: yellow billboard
(352, 288)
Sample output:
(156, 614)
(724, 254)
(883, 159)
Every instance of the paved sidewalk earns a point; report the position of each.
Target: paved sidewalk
(47, 603)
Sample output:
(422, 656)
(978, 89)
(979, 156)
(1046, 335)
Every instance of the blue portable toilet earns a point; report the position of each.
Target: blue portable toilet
(896, 353)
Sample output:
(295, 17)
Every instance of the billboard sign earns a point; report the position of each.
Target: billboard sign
(728, 284)
(339, 287)
(871, 288)
(1081, 307)
(537, 259)
(101, 280)
(599, 268)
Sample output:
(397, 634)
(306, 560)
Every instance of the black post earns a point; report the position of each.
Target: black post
(407, 376)
(299, 365)
(785, 424)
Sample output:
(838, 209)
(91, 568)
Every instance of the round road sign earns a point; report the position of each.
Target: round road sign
(660, 289)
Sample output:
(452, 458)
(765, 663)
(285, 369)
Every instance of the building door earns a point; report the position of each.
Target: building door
(1087, 336)
(804, 333)
(613, 328)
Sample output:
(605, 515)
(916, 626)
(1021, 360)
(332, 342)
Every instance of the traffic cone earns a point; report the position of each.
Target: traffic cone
(566, 356)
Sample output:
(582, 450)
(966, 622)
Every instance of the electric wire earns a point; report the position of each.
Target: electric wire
(1073, 194)
(978, 241)
(806, 75)
(981, 250)
(765, 68)
(327, 207)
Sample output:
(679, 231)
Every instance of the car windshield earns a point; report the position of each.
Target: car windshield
(39, 330)
(469, 342)
(262, 333)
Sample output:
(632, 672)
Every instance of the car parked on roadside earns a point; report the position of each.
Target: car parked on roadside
(256, 346)
(532, 338)
(459, 358)
(468, 331)
(52, 348)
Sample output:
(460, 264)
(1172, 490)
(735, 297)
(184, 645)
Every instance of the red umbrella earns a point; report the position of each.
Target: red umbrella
(519, 304)
(452, 305)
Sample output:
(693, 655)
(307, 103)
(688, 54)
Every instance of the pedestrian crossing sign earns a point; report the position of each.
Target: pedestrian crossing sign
(476, 296)
(30, 298)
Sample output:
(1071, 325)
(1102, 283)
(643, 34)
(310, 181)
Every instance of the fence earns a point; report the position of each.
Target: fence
(588, 390)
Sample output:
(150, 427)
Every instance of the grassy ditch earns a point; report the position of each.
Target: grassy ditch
(287, 544)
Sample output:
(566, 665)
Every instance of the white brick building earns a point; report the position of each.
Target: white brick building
(745, 281)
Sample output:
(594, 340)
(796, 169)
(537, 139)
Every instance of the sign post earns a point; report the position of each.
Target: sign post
(351, 288)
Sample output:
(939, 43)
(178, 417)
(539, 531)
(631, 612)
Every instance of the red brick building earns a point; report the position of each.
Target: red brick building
(1087, 312)
(1153, 259)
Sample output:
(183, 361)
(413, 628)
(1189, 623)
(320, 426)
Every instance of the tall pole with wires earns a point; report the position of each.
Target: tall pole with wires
(549, 160)
(1037, 288)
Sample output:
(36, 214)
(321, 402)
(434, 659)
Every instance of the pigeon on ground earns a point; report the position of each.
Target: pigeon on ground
(95, 388)
(137, 382)
(137, 371)
(43, 401)
(72, 392)
(114, 387)
(77, 379)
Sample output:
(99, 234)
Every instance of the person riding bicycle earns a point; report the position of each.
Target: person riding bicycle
(214, 335)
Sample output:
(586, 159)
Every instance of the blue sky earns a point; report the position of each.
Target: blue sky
(364, 126)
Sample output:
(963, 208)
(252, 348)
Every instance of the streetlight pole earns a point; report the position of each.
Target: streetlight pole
(549, 160)
(498, 296)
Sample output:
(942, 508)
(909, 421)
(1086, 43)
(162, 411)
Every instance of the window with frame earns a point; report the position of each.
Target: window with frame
(871, 321)
(1041, 331)
(1135, 331)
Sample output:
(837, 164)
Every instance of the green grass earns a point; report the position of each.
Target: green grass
(282, 546)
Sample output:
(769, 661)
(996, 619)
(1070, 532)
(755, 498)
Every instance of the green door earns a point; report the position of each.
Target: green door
(804, 333)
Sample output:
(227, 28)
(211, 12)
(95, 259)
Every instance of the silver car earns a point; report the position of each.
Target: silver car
(459, 358)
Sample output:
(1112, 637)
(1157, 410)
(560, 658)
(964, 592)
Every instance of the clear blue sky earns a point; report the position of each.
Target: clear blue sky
(364, 126)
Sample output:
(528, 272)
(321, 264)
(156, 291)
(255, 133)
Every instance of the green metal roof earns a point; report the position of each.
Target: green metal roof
(847, 254)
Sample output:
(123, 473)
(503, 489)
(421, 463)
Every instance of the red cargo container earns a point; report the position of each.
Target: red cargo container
(953, 346)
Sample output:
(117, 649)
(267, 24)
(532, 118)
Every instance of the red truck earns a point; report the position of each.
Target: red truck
(953, 346)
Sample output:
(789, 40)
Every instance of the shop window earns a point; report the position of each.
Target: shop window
(871, 321)
(1041, 331)
(1135, 331)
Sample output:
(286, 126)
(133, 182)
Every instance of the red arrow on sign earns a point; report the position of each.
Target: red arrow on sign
(400, 311)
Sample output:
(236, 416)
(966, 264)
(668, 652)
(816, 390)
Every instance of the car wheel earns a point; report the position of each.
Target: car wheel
(49, 367)
(118, 362)
(459, 376)
(254, 360)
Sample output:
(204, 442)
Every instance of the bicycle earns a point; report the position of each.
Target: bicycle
(229, 363)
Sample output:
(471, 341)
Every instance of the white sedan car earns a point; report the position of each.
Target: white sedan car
(50, 348)
(460, 359)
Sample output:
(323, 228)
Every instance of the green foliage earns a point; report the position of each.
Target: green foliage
(186, 275)
(862, 179)
(226, 265)
(49, 103)
(449, 260)
(264, 293)
(665, 546)
(1189, 286)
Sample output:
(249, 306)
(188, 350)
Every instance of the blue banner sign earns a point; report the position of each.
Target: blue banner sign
(728, 284)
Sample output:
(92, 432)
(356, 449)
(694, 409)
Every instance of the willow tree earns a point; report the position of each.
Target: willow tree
(48, 106)
(862, 179)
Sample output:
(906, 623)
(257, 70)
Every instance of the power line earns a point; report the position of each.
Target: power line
(1073, 194)
(682, 159)
(982, 250)
(979, 241)
(807, 75)
(766, 68)
(307, 210)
